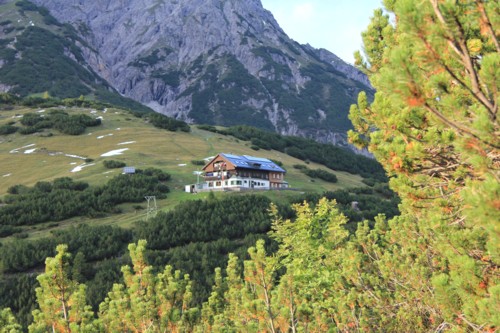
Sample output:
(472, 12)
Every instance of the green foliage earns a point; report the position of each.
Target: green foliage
(433, 125)
(60, 120)
(198, 162)
(39, 64)
(8, 129)
(149, 60)
(232, 218)
(61, 300)
(170, 124)
(321, 174)
(26, 5)
(44, 66)
(112, 164)
(8, 323)
(229, 83)
(96, 243)
(330, 156)
(300, 166)
(64, 198)
(171, 78)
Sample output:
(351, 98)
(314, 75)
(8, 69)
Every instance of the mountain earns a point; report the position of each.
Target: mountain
(215, 62)
(39, 55)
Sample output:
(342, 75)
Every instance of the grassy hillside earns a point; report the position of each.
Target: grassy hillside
(27, 159)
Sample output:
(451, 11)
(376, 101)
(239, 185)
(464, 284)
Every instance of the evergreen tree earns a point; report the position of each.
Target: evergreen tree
(61, 300)
(8, 323)
(434, 127)
(148, 302)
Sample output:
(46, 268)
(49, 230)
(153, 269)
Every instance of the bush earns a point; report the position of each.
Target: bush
(209, 128)
(28, 130)
(299, 166)
(161, 121)
(8, 129)
(279, 163)
(198, 162)
(321, 174)
(112, 164)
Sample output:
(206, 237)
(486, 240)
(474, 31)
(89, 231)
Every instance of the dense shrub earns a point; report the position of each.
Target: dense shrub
(321, 174)
(161, 121)
(333, 157)
(198, 162)
(112, 164)
(65, 198)
(60, 120)
(8, 129)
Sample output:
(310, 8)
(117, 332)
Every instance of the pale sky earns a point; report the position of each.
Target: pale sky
(335, 25)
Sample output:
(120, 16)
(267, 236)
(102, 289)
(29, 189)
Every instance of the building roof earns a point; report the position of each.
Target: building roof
(251, 162)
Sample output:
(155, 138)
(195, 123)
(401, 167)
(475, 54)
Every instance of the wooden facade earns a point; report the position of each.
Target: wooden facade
(234, 172)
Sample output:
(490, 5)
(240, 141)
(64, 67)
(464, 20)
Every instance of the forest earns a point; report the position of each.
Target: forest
(431, 267)
(64, 198)
(195, 237)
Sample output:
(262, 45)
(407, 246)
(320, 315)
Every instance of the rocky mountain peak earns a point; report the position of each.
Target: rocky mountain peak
(221, 62)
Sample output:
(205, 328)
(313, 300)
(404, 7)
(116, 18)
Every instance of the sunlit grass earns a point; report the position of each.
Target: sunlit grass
(151, 147)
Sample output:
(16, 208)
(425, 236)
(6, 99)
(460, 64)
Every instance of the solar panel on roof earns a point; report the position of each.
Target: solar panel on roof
(129, 170)
(232, 156)
(259, 159)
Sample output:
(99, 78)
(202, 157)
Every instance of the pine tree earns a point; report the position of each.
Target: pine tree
(61, 300)
(148, 302)
(434, 127)
(8, 323)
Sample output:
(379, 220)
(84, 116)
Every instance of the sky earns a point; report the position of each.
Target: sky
(335, 25)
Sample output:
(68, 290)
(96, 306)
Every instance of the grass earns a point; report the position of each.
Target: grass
(169, 151)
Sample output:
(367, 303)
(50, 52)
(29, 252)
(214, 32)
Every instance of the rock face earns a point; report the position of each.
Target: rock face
(222, 62)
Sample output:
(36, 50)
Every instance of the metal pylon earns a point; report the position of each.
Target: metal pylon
(152, 208)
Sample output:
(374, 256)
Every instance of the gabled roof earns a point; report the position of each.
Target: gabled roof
(251, 162)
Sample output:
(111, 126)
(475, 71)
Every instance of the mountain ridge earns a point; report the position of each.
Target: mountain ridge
(215, 62)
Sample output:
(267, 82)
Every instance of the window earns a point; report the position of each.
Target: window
(238, 182)
(225, 183)
(218, 183)
(210, 184)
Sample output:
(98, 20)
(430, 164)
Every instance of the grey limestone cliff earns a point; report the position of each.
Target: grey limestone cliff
(221, 62)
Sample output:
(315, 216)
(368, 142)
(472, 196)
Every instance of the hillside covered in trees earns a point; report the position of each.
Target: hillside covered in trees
(435, 267)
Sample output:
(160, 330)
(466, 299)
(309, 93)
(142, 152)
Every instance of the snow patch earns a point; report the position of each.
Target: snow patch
(100, 117)
(126, 143)
(103, 136)
(93, 111)
(41, 111)
(73, 163)
(74, 156)
(114, 152)
(81, 166)
(181, 165)
(118, 129)
(29, 151)
(7, 175)
(13, 151)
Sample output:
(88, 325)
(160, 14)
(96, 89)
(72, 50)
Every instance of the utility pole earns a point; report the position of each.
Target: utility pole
(152, 208)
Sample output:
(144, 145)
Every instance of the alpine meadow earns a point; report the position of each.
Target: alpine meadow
(406, 242)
